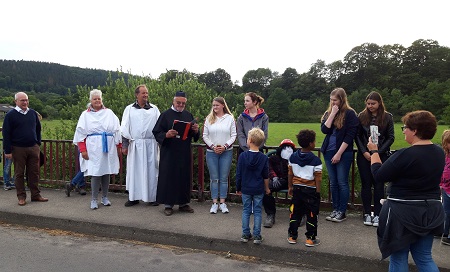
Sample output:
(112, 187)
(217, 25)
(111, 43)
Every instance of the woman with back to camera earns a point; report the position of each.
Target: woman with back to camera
(219, 134)
(253, 116)
(374, 114)
(339, 124)
(413, 212)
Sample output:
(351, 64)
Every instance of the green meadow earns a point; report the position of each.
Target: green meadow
(53, 129)
(280, 131)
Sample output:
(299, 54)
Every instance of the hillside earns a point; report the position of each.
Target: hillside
(48, 77)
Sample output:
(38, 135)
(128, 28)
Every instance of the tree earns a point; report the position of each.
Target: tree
(219, 81)
(300, 111)
(276, 106)
(257, 81)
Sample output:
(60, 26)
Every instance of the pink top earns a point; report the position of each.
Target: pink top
(445, 179)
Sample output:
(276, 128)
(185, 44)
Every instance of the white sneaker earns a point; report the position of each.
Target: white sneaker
(376, 221)
(94, 204)
(105, 201)
(223, 208)
(214, 208)
(367, 220)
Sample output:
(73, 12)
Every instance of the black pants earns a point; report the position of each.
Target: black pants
(269, 200)
(367, 182)
(305, 200)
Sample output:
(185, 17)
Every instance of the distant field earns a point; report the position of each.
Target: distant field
(280, 131)
(277, 132)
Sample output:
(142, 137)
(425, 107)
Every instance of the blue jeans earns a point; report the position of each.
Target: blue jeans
(421, 253)
(338, 174)
(219, 168)
(446, 203)
(250, 201)
(7, 179)
(78, 180)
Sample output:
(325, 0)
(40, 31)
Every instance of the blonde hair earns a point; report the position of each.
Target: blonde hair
(339, 119)
(446, 141)
(256, 136)
(211, 118)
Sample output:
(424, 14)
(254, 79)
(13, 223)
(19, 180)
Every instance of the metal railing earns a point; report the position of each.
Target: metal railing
(61, 165)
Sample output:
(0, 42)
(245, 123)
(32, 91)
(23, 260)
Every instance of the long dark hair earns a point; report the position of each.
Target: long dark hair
(365, 117)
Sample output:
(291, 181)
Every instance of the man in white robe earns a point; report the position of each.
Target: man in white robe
(141, 147)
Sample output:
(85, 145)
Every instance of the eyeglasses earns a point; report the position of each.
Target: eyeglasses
(23, 100)
(180, 103)
(404, 127)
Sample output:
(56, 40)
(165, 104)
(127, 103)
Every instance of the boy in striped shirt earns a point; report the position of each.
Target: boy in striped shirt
(304, 178)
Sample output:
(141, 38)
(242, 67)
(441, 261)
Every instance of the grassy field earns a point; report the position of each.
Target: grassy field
(277, 132)
(280, 131)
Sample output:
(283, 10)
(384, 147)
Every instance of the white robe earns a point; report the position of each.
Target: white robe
(91, 122)
(142, 158)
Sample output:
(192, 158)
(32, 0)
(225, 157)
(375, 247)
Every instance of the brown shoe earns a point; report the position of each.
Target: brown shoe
(22, 202)
(39, 199)
(186, 208)
(168, 211)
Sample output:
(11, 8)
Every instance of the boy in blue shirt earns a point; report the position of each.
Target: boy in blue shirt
(304, 179)
(252, 181)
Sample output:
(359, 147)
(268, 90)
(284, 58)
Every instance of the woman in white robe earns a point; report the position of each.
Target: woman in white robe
(98, 135)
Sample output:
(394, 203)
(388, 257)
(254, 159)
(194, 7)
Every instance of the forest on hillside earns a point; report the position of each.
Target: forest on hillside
(409, 78)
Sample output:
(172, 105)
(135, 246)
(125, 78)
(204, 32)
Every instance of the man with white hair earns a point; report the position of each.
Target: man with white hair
(21, 139)
(141, 148)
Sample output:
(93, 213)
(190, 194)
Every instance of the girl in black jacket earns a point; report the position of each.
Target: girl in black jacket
(374, 114)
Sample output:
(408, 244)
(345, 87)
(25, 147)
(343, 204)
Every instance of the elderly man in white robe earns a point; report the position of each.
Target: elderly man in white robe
(98, 138)
(141, 148)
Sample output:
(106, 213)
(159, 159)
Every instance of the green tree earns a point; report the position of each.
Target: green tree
(300, 111)
(276, 106)
(257, 81)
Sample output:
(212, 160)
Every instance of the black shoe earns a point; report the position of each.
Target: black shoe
(82, 190)
(270, 221)
(69, 188)
(130, 203)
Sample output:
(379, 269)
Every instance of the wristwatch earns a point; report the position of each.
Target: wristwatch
(373, 151)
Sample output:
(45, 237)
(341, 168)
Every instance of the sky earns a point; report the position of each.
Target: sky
(150, 37)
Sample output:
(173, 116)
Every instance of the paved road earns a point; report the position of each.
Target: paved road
(50, 250)
(346, 246)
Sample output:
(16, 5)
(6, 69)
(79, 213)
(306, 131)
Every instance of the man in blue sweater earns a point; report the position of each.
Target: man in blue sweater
(21, 141)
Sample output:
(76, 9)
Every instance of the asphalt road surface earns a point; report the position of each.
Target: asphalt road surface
(31, 249)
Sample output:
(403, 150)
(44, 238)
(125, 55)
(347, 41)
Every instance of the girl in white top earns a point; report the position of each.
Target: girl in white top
(219, 134)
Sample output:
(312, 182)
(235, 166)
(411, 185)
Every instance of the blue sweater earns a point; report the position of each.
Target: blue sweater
(346, 134)
(252, 169)
(22, 130)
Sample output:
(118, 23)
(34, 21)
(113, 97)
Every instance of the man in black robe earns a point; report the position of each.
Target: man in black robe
(174, 181)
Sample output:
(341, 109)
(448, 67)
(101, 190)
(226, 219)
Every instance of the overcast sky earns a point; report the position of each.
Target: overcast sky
(150, 37)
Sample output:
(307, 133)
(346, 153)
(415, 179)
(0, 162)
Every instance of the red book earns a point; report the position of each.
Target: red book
(182, 128)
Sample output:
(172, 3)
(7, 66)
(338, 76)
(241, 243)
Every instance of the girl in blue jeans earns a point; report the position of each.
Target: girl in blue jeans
(219, 134)
(339, 124)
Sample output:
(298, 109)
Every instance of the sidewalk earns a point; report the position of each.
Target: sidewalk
(346, 246)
